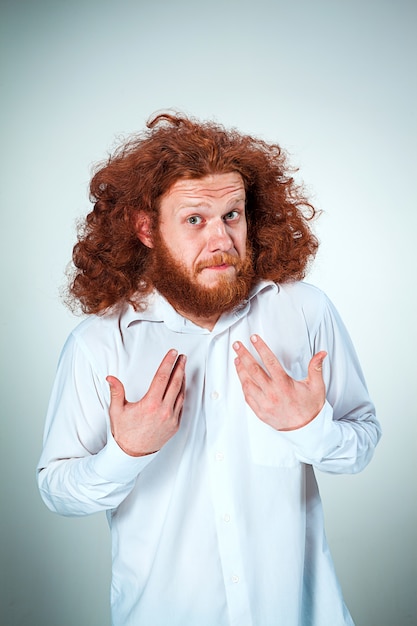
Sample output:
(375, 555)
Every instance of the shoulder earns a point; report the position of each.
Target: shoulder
(296, 304)
(96, 332)
(299, 295)
(302, 292)
(306, 297)
(93, 343)
(91, 326)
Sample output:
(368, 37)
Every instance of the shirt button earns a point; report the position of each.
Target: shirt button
(235, 579)
(226, 517)
(219, 456)
(215, 395)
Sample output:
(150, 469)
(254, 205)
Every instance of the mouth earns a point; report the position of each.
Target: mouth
(218, 268)
(219, 263)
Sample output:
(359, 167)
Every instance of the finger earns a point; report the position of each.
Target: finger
(315, 368)
(248, 367)
(179, 400)
(269, 359)
(162, 376)
(117, 393)
(176, 380)
(252, 390)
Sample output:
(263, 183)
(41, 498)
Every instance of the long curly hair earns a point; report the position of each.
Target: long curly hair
(111, 265)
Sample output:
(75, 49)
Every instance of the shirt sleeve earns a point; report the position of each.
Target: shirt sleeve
(82, 470)
(342, 438)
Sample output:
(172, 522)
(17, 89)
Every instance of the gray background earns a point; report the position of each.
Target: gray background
(333, 82)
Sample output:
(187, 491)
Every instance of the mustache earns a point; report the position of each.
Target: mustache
(221, 258)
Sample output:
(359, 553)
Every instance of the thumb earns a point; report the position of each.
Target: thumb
(315, 367)
(117, 393)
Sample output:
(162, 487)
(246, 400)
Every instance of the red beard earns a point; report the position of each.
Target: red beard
(180, 287)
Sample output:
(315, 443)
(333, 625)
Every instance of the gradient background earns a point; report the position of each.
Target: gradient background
(335, 83)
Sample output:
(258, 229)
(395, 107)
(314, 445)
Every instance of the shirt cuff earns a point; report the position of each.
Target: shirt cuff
(114, 465)
(314, 441)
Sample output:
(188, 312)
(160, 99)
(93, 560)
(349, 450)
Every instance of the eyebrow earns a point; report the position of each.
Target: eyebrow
(195, 204)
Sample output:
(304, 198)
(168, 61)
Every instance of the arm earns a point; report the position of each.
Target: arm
(93, 452)
(328, 417)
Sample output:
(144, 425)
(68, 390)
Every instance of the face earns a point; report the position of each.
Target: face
(201, 261)
(203, 225)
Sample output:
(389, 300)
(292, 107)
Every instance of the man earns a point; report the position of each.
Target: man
(194, 402)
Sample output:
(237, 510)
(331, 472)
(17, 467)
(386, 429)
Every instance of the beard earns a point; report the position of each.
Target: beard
(181, 288)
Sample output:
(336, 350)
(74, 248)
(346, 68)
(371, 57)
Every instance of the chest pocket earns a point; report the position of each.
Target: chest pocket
(268, 446)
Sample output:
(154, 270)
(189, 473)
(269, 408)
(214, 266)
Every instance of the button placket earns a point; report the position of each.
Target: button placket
(217, 424)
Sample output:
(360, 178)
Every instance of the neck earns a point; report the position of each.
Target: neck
(202, 321)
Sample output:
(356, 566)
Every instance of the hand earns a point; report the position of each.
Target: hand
(143, 427)
(276, 398)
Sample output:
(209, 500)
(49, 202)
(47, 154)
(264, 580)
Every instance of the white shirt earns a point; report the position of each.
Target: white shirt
(224, 525)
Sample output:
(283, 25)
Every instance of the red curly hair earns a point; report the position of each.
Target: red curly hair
(111, 264)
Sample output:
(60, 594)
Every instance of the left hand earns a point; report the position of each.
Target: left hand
(276, 398)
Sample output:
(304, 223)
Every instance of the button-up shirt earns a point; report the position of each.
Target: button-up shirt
(224, 525)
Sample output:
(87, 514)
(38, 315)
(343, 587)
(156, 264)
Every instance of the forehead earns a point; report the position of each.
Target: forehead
(214, 186)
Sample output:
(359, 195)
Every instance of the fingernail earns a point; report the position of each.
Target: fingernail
(254, 338)
(236, 345)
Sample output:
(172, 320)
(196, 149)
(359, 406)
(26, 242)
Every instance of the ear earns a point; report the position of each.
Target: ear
(144, 229)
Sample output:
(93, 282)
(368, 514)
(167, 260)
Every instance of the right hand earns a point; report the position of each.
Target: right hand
(143, 427)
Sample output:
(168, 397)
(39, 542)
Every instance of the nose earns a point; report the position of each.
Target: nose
(219, 239)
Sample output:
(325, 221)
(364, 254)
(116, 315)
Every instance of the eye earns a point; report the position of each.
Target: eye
(194, 219)
(232, 215)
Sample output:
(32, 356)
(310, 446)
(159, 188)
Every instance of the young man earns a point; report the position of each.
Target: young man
(208, 382)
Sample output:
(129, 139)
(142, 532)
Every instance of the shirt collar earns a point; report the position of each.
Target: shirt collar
(159, 310)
